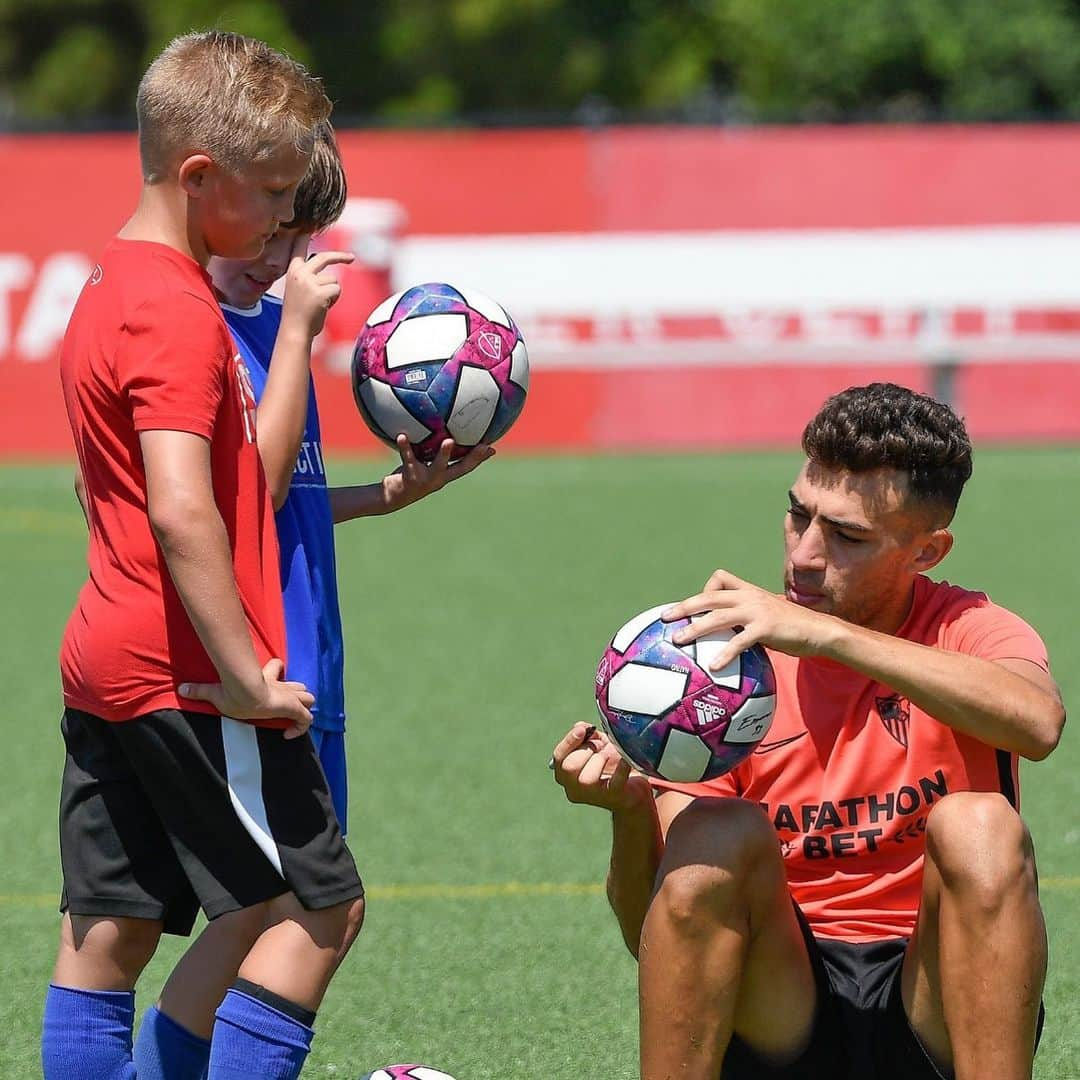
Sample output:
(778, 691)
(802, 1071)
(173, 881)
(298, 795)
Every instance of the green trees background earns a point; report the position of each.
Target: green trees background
(77, 62)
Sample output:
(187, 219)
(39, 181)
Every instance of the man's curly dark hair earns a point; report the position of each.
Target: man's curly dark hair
(886, 426)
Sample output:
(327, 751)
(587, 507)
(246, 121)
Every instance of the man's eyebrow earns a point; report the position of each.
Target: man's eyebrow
(836, 523)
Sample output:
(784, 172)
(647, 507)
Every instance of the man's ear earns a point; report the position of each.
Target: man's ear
(936, 546)
(193, 174)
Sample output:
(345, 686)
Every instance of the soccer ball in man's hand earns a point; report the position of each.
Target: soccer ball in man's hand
(668, 714)
(406, 1072)
(440, 362)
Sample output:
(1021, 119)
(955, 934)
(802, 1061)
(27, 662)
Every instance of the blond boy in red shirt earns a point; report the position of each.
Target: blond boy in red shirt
(171, 802)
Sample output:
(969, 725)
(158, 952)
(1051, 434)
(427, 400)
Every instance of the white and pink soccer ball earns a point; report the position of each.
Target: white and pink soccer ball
(671, 717)
(406, 1072)
(440, 361)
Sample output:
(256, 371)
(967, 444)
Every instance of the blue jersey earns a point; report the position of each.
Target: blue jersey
(305, 530)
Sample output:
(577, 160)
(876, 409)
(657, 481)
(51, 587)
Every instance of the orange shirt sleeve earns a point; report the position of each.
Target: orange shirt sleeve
(994, 633)
(723, 786)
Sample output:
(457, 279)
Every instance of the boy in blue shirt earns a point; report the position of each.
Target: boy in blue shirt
(274, 338)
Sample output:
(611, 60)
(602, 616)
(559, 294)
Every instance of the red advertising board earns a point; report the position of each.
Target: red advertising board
(686, 373)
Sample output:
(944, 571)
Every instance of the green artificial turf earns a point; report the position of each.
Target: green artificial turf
(473, 624)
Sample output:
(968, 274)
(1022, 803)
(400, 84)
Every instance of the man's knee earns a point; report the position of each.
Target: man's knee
(719, 853)
(980, 846)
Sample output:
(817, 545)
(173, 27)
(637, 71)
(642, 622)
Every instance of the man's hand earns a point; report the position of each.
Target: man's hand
(274, 699)
(758, 616)
(590, 770)
(414, 480)
(310, 287)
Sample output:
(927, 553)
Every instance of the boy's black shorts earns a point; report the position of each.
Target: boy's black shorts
(175, 810)
(861, 1029)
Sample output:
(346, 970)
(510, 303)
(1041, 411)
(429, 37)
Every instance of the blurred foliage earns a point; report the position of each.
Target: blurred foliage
(437, 61)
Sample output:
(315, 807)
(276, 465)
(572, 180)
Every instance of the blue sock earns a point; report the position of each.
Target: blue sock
(254, 1041)
(86, 1034)
(166, 1051)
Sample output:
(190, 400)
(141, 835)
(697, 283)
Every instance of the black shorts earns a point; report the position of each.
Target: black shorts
(860, 1030)
(175, 810)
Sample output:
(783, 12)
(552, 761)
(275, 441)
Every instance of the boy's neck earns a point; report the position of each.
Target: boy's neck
(161, 217)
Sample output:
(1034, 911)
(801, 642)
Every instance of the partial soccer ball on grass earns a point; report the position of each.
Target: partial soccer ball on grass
(440, 361)
(668, 714)
(406, 1072)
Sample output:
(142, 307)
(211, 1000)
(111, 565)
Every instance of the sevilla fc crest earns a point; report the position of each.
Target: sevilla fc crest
(895, 714)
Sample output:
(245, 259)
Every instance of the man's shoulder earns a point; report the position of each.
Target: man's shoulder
(945, 602)
(943, 596)
(965, 620)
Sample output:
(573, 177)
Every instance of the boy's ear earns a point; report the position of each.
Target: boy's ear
(193, 174)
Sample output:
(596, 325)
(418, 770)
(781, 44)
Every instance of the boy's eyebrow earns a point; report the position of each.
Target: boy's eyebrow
(836, 523)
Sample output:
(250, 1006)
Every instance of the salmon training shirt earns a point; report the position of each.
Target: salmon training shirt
(850, 769)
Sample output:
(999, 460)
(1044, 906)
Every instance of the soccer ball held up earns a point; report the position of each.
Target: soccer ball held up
(440, 362)
(668, 714)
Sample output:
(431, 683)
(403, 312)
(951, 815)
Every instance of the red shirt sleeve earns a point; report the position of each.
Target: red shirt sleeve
(172, 364)
(994, 633)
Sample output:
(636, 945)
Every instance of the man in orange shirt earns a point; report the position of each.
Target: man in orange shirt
(895, 931)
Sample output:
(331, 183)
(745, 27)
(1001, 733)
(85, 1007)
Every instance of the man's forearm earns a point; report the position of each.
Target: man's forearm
(636, 847)
(977, 697)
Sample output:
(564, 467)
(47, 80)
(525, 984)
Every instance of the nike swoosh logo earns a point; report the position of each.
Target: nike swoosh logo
(765, 747)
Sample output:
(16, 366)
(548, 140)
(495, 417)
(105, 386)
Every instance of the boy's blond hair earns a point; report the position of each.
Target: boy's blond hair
(230, 97)
(320, 198)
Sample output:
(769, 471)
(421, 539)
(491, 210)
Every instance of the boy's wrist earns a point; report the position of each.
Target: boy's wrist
(244, 686)
(295, 331)
(393, 493)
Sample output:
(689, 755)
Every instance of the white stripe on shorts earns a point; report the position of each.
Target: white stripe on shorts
(243, 768)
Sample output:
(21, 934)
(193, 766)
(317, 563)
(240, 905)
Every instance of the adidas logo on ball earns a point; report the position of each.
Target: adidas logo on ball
(708, 713)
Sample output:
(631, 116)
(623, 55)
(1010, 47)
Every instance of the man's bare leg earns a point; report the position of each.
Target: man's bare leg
(974, 970)
(721, 949)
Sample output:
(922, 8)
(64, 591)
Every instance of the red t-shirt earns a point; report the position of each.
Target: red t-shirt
(147, 348)
(849, 769)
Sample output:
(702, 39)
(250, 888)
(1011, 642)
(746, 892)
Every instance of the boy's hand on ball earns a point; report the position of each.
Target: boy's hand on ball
(311, 287)
(415, 479)
(591, 770)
